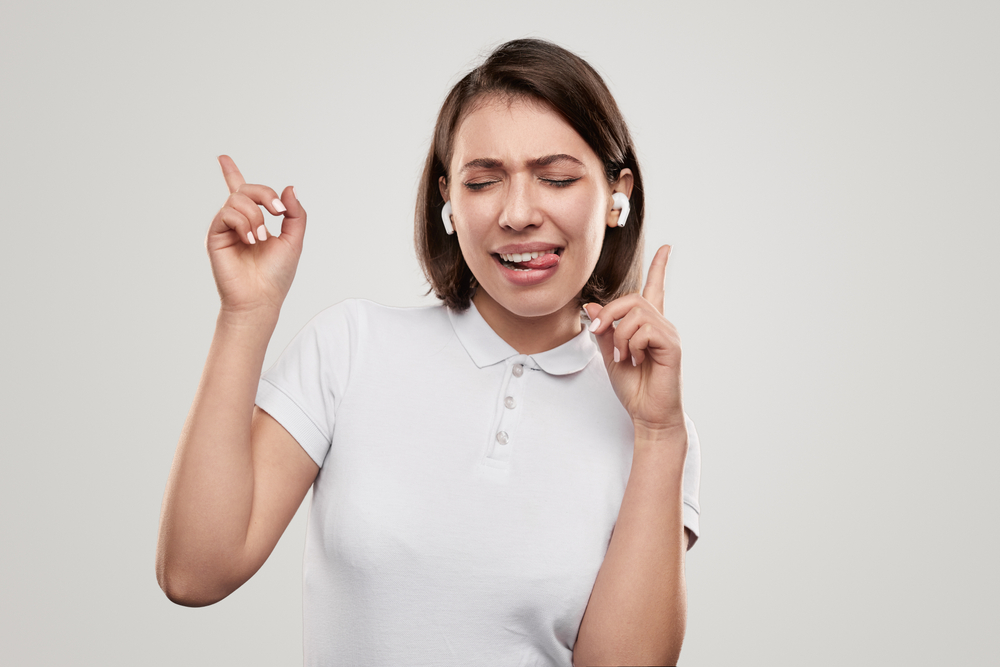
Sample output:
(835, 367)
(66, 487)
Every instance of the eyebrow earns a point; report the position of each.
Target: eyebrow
(555, 159)
(481, 163)
(493, 163)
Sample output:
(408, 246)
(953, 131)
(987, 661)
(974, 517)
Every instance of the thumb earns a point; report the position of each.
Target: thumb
(606, 340)
(294, 222)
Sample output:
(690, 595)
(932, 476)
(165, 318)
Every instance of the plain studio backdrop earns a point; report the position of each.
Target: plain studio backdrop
(827, 175)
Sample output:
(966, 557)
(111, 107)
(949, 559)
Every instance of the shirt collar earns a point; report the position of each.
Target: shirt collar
(486, 348)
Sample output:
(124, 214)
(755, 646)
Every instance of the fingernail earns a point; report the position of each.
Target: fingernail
(593, 325)
(294, 193)
(262, 233)
(633, 361)
(279, 207)
(250, 236)
(618, 356)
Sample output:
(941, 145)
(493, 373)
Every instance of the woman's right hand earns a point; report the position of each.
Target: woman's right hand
(254, 270)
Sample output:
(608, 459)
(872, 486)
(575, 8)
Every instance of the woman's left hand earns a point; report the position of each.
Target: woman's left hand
(643, 353)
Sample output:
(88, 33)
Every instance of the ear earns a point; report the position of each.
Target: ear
(623, 184)
(443, 187)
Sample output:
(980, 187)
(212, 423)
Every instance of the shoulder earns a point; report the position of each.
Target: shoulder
(373, 323)
(356, 311)
(377, 312)
(392, 321)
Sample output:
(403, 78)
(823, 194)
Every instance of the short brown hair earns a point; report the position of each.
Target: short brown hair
(539, 70)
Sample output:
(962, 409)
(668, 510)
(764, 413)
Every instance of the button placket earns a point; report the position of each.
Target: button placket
(503, 435)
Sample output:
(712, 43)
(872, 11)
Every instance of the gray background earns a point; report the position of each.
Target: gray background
(827, 175)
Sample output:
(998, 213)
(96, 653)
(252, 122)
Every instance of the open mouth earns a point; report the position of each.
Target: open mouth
(528, 261)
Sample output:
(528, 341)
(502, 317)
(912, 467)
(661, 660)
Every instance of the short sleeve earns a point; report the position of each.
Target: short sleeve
(692, 481)
(303, 388)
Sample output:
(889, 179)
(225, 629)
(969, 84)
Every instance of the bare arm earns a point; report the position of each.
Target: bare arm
(237, 476)
(235, 483)
(637, 611)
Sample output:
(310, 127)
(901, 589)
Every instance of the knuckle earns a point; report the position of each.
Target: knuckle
(238, 220)
(250, 193)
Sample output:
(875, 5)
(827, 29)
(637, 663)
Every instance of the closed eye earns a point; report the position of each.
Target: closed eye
(560, 183)
(555, 182)
(479, 186)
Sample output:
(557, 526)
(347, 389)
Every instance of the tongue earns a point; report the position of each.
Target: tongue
(540, 262)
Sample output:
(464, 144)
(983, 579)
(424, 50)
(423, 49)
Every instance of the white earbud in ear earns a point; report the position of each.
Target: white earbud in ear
(446, 218)
(621, 203)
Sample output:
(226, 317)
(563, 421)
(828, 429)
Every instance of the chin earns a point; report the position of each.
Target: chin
(528, 304)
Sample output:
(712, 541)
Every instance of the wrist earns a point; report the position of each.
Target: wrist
(660, 430)
(256, 319)
(671, 435)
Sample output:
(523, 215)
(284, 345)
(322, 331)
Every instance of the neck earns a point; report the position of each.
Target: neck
(529, 335)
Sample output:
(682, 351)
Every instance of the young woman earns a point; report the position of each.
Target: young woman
(496, 480)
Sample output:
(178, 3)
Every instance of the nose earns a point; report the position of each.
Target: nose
(520, 206)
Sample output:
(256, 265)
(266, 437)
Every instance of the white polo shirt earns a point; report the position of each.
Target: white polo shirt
(466, 494)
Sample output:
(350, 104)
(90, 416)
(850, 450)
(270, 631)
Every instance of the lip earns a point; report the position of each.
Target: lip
(536, 246)
(525, 278)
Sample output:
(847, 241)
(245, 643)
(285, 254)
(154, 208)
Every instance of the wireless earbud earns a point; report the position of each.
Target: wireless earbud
(621, 202)
(446, 217)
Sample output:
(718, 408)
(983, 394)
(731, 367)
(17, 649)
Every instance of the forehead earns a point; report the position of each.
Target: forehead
(517, 131)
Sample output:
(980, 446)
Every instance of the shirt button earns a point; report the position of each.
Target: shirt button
(510, 402)
(518, 370)
(502, 438)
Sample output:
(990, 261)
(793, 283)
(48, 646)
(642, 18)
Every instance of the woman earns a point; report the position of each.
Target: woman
(469, 461)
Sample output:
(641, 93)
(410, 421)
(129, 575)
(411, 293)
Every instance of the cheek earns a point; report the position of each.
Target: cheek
(594, 247)
(585, 217)
(472, 230)
(474, 215)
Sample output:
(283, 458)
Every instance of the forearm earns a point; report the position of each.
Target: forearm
(636, 614)
(209, 495)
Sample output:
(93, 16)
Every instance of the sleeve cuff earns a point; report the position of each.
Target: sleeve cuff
(286, 412)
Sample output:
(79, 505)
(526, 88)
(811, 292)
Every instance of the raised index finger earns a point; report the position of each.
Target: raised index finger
(234, 179)
(653, 292)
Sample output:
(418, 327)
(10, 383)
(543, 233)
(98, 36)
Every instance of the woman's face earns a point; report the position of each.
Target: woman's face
(530, 204)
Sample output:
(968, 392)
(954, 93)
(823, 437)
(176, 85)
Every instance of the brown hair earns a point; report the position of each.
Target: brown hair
(539, 70)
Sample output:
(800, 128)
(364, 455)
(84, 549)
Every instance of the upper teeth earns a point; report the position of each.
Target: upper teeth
(525, 256)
